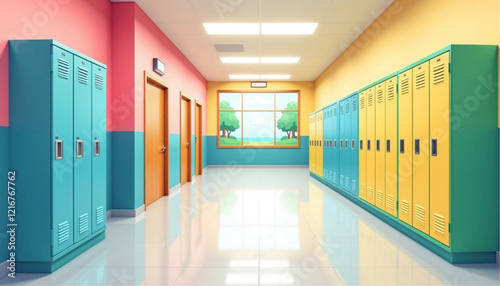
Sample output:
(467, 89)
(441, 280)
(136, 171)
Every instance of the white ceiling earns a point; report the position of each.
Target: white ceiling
(340, 22)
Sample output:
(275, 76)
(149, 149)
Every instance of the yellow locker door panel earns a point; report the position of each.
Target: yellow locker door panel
(370, 150)
(405, 147)
(319, 148)
(380, 146)
(362, 145)
(421, 147)
(440, 148)
(391, 135)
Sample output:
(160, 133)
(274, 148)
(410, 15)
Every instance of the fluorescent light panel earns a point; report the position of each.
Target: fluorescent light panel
(279, 60)
(288, 28)
(275, 76)
(232, 28)
(239, 60)
(244, 76)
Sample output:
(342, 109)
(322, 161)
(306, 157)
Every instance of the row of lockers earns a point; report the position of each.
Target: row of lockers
(428, 151)
(57, 139)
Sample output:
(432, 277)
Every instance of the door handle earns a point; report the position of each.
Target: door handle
(187, 145)
(163, 148)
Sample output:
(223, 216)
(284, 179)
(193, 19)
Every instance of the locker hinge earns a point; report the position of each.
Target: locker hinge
(397, 205)
(449, 227)
(449, 67)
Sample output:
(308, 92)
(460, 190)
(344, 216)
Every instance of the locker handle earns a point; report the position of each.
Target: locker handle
(320, 143)
(59, 149)
(417, 146)
(335, 143)
(352, 144)
(97, 148)
(368, 145)
(378, 145)
(341, 143)
(434, 147)
(360, 144)
(79, 149)
(346, 146)
(402, 146)
(388, 145)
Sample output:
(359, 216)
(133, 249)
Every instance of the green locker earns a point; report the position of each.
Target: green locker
(49, 108)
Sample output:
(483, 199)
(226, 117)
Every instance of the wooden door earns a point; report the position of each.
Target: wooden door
(155, 173)
(199, 140)
(185, 139)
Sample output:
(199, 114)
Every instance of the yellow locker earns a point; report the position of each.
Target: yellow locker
(319, 147)
(391, 136)
(421, 147)
(440, 148)
(379, 145)
(405, 148)
(370, 150)
(362, 145)
(312, 143)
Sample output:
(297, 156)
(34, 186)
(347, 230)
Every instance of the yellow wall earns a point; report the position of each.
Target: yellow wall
(306, 99)
(407, 31)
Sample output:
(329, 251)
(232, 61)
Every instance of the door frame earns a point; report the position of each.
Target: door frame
(189, 123)
(150, 79)
(200, 140)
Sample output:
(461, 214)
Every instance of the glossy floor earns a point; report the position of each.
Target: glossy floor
(257, 226)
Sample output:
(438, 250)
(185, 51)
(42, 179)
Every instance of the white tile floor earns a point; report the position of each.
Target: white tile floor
(257, 226)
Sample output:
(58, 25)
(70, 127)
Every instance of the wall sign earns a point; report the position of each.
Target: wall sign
(158, 66)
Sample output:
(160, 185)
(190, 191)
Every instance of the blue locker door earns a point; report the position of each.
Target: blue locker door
(335, 138)
(354, 144)
(347, 136)
(325, 149)
(61, 150)
(98, 145)
(328, 151)
(341, 144)
(82, 122)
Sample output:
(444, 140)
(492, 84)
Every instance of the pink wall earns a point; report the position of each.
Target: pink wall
(180, 74)
(84, 25)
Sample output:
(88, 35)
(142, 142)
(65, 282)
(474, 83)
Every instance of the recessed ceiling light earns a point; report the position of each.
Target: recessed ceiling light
(275, 76)
(232, 28)
(279, 60)
(239, 60)
(288, 28)
(244, 76)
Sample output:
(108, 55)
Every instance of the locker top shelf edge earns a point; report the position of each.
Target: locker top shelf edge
(62, 46)
(378, 81)
(336, 101)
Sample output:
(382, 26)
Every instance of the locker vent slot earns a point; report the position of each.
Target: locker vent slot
(405, 207)
(99, 214)
(354, 185)
(83, 75)
(390, 202)
(439, 223)
(361, 189)
(63, 232)
(380, 95)
(83, 223)
(362, 102)
(380, 197)
(420, 81)
(62, 68)
(370, 99)
(370, 193)
(99, 81)
(354, 105)
(438, 73)
(405, 86)
(347, 107)
(420, 214)
(390, 92)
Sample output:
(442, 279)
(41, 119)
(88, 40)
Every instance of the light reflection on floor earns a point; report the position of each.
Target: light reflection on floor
(257, 226)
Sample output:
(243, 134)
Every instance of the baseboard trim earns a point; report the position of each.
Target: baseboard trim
(127, 213)
(3, 269)
(174, 190)
(108, 214)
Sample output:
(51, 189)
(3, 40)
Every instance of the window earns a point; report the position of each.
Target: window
(258, 119)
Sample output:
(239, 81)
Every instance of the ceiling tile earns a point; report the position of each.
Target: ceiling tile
(168, 10)
(355, 10)
(219, 11)
(287, 11)
(182, 28)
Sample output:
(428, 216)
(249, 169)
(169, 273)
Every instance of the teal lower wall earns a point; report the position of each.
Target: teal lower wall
(174, 162)
(193, 156)
(127, 175)
(204, 151)
(109, 163)
(246, 156)
(4, 168)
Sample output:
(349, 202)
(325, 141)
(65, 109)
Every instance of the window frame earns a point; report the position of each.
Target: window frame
(242, 111)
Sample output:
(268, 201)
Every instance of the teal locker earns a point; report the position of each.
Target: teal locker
(325, 139)
(335, 135)
(342, 157)
(82, 170)
(99, 180)
(354, 144)
(328, 143)
(61, 149)
(50, 106)
(347, 149)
